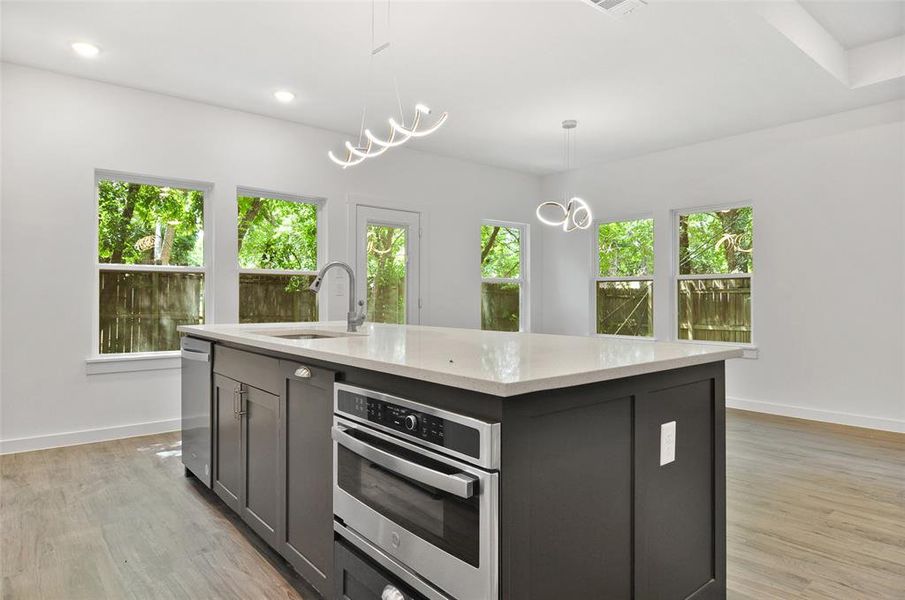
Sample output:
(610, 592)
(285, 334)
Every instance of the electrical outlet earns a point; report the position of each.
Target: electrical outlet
(667, 443)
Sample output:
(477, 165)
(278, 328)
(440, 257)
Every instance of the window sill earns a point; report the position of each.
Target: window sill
(127, 363)
(619, 336)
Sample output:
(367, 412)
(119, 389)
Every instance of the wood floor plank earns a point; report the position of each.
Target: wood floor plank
(814, 511)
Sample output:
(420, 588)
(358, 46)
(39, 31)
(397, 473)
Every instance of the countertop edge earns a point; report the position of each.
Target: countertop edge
(492, 388)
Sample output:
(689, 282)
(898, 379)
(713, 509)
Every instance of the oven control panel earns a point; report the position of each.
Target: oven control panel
(404, 420)
(430, 425)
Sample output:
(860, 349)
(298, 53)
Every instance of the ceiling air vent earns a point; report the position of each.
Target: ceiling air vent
(617, 8)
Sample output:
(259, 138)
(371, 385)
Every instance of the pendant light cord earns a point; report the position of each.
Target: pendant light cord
(395, 70)
(369, 80)
(371, 53)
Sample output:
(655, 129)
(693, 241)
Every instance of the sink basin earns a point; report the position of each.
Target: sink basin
(302, 336)
(292, 333)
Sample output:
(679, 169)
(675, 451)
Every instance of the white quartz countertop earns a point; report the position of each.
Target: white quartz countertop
(497, 363)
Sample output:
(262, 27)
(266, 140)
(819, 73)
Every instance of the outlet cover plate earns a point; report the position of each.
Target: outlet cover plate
(667, 443)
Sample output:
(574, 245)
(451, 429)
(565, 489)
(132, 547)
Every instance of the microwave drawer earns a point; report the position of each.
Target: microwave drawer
(359, 578)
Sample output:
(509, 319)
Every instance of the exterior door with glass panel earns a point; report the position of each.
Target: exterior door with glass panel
(388, 264)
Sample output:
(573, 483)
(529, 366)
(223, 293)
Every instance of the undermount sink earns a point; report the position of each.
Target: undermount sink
(302, 336)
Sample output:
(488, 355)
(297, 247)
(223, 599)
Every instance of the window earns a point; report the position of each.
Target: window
(623, 285)
(278, 258)
(715, 265)
(503, 292)
(151, 263)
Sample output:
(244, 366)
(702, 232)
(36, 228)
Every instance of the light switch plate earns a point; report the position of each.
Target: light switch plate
(667, 443)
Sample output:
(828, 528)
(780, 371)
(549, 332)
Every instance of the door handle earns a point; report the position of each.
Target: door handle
(462, 485)
(303, 372)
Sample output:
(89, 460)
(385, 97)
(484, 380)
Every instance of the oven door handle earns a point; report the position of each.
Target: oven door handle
(462, 485)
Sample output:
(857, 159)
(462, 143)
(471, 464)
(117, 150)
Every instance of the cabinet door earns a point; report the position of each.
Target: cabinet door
(308, 466)
(679, 506)
(261, 444)
(227, 475)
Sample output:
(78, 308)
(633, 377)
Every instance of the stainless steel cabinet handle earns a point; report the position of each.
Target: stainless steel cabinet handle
(243, 402)
(303, 372)
(391, 592)
(195, 355)
(236, 402)
(458, 484)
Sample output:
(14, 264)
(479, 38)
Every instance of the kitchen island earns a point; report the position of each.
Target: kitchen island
(555, 466)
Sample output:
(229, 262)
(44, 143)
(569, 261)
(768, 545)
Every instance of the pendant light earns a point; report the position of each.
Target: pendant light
(574, 214)
(400, 132)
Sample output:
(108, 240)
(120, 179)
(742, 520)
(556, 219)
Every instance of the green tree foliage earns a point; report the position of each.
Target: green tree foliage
(386, 274)
(147, 224)
(277, 234)
(716, 242)
(500, 251)
(626, 248)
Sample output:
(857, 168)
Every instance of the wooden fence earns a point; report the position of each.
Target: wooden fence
(276, 298)
(717, 310)
(624, 308)
(500, 306)
(139, 311)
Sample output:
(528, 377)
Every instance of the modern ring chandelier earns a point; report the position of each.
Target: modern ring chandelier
(574, 214)
(400, 132)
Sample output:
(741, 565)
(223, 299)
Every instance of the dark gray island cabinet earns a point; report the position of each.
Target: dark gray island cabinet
(608, 488)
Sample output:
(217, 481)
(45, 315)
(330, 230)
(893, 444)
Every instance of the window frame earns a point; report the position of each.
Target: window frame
(595, 275)
(524, 304)
(105, 363)
(676, 277)
(320, 205)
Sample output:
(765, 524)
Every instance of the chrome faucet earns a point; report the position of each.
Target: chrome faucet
(355, 317)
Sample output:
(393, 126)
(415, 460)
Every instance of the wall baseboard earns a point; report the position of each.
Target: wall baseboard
(87, 436)
(814, 414)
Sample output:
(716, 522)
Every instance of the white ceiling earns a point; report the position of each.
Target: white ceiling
(856, 24)
(671, 74)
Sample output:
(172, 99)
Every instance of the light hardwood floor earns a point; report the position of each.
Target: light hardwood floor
(120, 520)
(814, 511)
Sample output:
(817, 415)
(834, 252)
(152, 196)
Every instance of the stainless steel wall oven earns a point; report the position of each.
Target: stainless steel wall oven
(416, 489)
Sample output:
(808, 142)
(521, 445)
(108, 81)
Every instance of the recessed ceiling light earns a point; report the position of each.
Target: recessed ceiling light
(85, 49)
(284, 95)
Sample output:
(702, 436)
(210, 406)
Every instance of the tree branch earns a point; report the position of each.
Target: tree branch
(485, 251)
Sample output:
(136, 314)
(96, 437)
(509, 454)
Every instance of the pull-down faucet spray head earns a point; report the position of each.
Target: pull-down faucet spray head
(316, 284)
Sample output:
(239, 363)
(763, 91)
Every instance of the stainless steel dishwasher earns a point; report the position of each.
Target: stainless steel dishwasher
(196, 408)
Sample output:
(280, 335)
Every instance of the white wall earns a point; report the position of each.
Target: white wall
(829, 229)
(58, 130)
(829, 288)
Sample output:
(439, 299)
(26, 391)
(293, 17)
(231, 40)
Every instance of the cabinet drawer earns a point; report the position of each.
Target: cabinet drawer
(256, 370)
(314, 376)
(358, 578)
